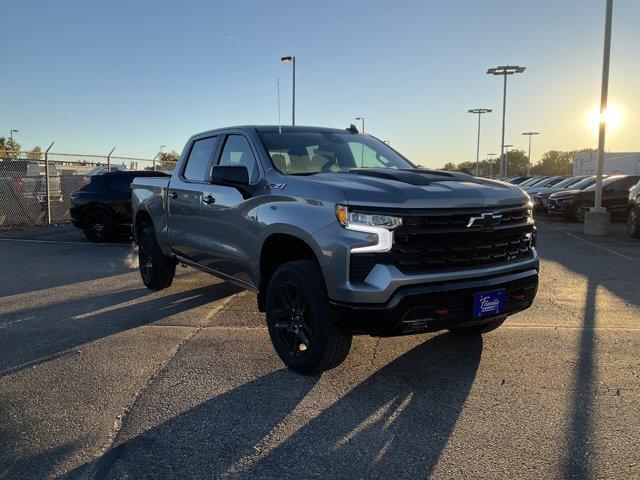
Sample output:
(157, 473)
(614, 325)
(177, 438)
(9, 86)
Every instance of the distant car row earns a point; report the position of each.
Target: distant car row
(572, 196)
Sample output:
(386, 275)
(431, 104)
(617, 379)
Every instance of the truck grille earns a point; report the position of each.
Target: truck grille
(436, 242)
(442, 242)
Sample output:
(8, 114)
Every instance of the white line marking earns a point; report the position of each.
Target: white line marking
(613, 252)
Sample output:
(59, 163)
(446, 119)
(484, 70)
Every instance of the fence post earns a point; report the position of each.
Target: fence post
(48, 182)
(109, 159)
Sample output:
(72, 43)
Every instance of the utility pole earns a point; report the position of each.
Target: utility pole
(529, 134)
(504, 70)
(479, 111)
(597, 220)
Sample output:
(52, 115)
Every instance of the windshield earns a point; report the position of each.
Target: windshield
(568, 181)
(582, 184)
(534, 182)
(305, 153)
(605, 182)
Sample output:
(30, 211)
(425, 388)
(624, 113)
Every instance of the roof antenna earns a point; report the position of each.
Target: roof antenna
(279, 123)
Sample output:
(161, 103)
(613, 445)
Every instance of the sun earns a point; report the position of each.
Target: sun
(613, 116)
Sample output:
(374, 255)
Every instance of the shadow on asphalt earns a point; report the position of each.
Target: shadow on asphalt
(394, 424)
(601, 269)
(63, 330)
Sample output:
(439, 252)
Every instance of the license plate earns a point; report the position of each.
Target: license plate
(489, 303)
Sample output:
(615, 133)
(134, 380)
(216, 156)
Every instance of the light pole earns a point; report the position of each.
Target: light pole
(362, 120)
(505, 149)
(292, 59)
(491, 155)
(362, 146)
(529, 134)
(11, 132)
(504, 70)
(479, 111)
(596, 221)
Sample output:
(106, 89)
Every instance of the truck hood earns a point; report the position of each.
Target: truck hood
(420, 189)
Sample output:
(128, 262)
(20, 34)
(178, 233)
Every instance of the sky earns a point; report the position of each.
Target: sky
(139, 74)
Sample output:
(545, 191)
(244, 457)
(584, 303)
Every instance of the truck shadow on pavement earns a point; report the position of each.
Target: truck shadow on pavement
(394, 424)
(601, 270)
(74, 323)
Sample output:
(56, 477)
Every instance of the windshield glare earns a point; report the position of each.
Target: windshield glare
(305, 153)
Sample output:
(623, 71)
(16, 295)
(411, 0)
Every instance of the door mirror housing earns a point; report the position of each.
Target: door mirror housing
(233, 174)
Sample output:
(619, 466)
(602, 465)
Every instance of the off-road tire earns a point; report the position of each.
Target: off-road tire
(479, 329)
(156, 269)
(328, 344)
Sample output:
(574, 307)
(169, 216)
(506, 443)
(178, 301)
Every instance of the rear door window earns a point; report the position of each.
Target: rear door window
(200, 158)
(237, 151)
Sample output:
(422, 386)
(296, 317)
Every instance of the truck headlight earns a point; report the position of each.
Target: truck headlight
(379, 225)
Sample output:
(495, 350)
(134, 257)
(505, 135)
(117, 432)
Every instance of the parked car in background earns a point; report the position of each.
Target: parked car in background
(102, 169)
(546, 183)
(633, 212)
(540, 196)
(532, 181)
(23, 188)
(576, 203)
(102, 208)
(517, 180)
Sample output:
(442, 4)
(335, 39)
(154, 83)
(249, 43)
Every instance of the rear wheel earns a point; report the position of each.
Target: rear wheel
(633, 223)
(302, 329)
(98, 226)
(580, 211)
(156, 269)
(478, 329)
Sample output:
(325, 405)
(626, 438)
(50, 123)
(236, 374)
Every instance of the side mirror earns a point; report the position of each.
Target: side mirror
(234, 174)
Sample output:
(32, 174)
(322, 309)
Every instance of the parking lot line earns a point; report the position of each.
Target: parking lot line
(613, 252)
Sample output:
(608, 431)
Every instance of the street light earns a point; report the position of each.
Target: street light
(596, 222)
(362, 120)
(11, 132)
(505, 149)
(161, 147)
(479, 111)
(504, 70)
(292, 59)
(529, 134)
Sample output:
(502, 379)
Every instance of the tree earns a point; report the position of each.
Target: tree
(35, 153)
(554, 162)
(517, 162)
(167, 160)
(10, 149)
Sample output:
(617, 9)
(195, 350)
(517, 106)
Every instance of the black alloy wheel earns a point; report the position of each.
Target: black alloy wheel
(580, 211)
(633, 223)
(98, 226)
(292, 314)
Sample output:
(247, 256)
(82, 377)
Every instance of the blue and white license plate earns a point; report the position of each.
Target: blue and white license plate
(486, 304)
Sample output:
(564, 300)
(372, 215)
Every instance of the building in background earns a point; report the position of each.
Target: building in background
(586, 163)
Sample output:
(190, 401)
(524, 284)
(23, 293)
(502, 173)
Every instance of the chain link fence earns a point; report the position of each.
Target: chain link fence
(37, 191)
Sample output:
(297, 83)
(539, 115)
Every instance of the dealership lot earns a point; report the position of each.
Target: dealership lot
(100, 378)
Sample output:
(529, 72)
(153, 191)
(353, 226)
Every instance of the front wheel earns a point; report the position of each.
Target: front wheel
(478, 329)
(157, 270)
(580, 211)
(302, 329)
(633, 223)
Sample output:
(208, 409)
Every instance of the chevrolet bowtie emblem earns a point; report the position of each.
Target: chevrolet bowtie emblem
(486, 221)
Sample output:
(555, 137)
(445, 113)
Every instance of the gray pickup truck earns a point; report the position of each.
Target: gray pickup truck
(338, 234)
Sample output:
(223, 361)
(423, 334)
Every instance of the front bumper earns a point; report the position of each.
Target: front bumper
(428, 308)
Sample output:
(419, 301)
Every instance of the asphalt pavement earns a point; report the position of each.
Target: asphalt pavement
(103, 379)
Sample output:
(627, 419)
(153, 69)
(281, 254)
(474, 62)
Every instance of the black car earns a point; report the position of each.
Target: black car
(102, 208)
(633, 212)
(575, 203)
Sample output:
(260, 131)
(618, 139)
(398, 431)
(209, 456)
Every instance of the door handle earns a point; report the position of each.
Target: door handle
(173, 195)
(208, 199)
